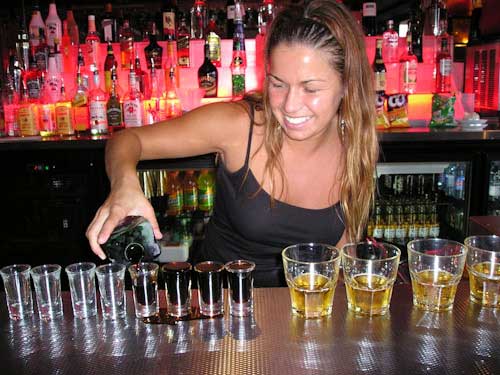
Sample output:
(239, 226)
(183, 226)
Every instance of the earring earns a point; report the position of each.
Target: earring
(342, 127)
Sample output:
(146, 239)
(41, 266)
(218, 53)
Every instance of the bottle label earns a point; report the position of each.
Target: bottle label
(380, 82)
(132, 113)
(107, 80)
(64, 119)
(114, 115)
(378, 232)
(412, 232)
(214, 47)
(400, 233)
(389, 233)
(445, 66)
(52, 32)
(27, 121)
(169, 24)
(370, 9)
(230, 12)
(47, 118)
(97, 114)
(81, 117)
(174, 203)
(238, 82)
(209, 84)
(107, 26)
(206, 199)
(33, 86)
(190, 199)
(41, 57)
(434, 230)
(423, 231)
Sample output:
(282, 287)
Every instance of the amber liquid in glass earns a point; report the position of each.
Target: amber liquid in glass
(484, 281)
(434, 290)
(312, 295)
(369, 294)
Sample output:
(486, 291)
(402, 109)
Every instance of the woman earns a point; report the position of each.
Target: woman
(296, 165)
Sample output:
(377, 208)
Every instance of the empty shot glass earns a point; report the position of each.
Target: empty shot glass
(177, 276)
(370, 270)
(210, 291)
(81, 278)
(483, 265)
(111, 279)
(240, 282)
(145, 288)
(47, 280)
(17, 284)
(436, 266)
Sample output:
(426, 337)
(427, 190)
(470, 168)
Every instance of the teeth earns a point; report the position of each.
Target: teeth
(297, 120)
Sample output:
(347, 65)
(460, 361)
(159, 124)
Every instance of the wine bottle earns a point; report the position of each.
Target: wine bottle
(207, 75)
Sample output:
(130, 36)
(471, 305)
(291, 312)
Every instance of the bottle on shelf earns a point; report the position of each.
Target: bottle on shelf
(174, 194)
(23, 45)
(36, 24)
(80, 104)
(53, 80)
(369, 20)
(154, 107)
(10, 102)
(214, 43)
(42, 52)
(110, 64)
(109, 24)
(172, 102)
(68, 62)
(64, 115)
(33, 79)
(73, 32)
(229, 19)
(28, 116)
(378, 68)
(53, 25)
(474, 31)
(169, 19)
(126, 44)
(133, 109)
(435, 14)
(92, 42)
(141, 77)
(83, 69)
(379, 222)
(494, 189)
(444, 66)
(190, 191)
(153, 52)
(15, 72)
(97, 107)
(408, 64)
(206, 190)
(416, 30)
(239, 59)
(58, 55)
(267, 12)
(199, 20)
(183, 37)
(46, 108)
(207, 75)
(114, 112)
(390, 45)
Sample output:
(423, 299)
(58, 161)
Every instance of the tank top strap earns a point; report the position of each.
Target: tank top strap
(250, 132)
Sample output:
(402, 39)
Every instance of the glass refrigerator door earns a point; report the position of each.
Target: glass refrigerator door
(494, 188)
(419, 200)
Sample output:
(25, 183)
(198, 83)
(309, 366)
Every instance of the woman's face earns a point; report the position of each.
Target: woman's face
(304, 91)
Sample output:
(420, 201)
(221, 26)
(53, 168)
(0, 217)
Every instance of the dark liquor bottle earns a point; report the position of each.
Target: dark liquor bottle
(114, 111)
(109, 64)
(474, 32)
(183, 37)
(33, 79)
(444, 66)
(378, 67)
(153, 51)
(42, 52)
(169, 20)
(229, 19)
(207, 75)
(416, 30)
(370, 18)
(109, 24)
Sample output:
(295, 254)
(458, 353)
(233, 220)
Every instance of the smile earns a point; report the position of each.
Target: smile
(297, 120)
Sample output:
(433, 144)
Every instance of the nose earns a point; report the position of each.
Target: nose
(293, 100)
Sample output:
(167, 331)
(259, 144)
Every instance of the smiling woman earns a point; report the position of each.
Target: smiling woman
(296, 161)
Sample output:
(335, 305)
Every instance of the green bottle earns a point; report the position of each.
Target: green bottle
(206, 190)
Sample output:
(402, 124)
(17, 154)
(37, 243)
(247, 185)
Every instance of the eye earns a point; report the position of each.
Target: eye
(276, 84)
(310, 90)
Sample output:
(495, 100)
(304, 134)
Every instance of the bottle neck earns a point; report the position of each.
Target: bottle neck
(52, 9)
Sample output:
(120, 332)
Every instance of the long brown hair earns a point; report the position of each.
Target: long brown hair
(330, 27)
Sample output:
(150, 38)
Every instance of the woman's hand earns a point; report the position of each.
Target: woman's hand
(121, 202)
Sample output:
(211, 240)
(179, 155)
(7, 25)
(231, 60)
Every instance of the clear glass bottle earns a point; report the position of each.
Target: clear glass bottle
(390, 45)
(444, 67)
(199, 20)
(142, 79)
(97, 107)
(408, 64)
(267, 12)
(126, 44)
(133, 110)
(172, 102)
(46, 108)
(53, 25)
(92, 42)
(53, 80)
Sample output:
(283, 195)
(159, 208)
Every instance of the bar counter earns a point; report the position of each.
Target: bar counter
(465, 340)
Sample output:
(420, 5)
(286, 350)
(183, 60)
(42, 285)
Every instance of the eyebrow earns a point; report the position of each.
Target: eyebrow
(302, 82)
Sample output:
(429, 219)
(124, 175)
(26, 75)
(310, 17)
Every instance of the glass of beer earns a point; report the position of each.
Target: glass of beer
(370, 270)
(311, 271)
(436, 267)
(483, 265)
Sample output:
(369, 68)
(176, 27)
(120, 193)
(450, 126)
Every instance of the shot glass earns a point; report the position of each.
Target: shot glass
(177, 276)
(483, 265)
(210, 291)
(436, 266)
(145, 289)
(240, 282)
(81, 278)
(311, 272)
(111, 279)
(370, 270)
(16, 280)
(47, 280)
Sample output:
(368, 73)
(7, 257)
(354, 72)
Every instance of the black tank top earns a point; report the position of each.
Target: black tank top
(245, 226)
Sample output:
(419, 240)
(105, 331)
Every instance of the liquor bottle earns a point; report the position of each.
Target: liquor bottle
(80, 105)
(434, 227)
(174, 194)
(53, 25)
(153, 51)
(390, 45)
(267, 12)
(199, 20)
(97, 107)
(46, 108)
(239, 59)
(16, 72)
(53, 80)
(229, 19)
(206, 190)
(36, 24)
(126, 44)
(83, 69)
(109, 65)
(114, 112)
(141, 78)
(408, 64)
(370, 18)
(58, 55)
(23, 46)
(42, 52)
(190, 191)
(173, 104)
(73, 32)
(474, 31)
(183, 37)
(379, 224)
(133, 110)
(64, 115)
(444, 65)
(92, 41)
(171, 59)
(152, 106)
(33, 79)
(109, 24)
(207, 75)
(412, 222)
(400, 236)
(28, 116)
(390, 226)
(416, 30)
(10, 102)
(66, 49)
(436, 13)
(423, 229)
(378, 68)
(214, 42)
(169, 19)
